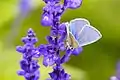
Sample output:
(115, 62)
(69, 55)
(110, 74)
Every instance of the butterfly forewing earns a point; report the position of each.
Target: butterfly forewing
(88, 35)
(77, 25)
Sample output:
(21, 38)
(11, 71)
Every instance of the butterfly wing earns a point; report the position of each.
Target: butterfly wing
(88, 35)
(82, 33)
(73, 28)
(77, 25)
(72, 41)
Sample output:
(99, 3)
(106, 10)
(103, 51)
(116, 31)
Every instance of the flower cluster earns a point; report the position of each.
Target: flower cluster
(56, 40)
(56, 43)
(59, 74)
(29, 65)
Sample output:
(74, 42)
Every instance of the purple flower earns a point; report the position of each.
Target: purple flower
(21, 72)
(47, 19)
(50, 39)
(73, 4)
(48, 1)
(52, 7)
(20, 49)
(50, 10)
(77, 51)
(34, 76)
(62, 46)
(66, 56)
(49, 54)
(56, 40)
(53, 42)
(54, 31)
(28, 65)
(62, 32)
(59, 74)
(49, 60)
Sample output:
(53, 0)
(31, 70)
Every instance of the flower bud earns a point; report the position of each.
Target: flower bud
(73, 4)
(47, 19)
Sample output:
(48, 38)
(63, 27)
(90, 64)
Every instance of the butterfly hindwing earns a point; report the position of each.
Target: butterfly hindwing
(88, 35)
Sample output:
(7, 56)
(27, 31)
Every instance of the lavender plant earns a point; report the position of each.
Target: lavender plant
(51, 16)
(56, 40)
(29, 65)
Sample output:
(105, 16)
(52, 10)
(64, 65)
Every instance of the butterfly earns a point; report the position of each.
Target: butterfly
(81, 33)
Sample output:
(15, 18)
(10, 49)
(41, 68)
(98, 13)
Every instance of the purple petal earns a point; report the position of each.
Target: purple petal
(31, 38)
(73, 3)
(27, 76)
(34, 66)
(54, 32)
(43, 49)
(77, 51)
(50, 39)
(65, 59)
(37, 54)
(62, 46)
(37, 75)
(47, 19)
(21, 72)
(62, 36)
(24, 65)
(20, 49)
(31, 32)
(59, 74)
(62, 27)
(48, 61)
(56, 1)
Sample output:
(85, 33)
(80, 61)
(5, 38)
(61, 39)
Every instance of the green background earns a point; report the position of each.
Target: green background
(96, 62)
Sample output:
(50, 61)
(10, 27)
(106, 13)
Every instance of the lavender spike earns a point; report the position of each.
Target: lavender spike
(29, 65)
(51, 52)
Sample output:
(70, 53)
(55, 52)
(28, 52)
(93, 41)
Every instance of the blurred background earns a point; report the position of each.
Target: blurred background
(96, 62)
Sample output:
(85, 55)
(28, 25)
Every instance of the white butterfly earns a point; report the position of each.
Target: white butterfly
(81, 33)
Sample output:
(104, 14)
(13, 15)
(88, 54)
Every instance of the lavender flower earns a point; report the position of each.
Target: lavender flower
(49, 54)
(117, 76)
(56, 40)
(73, 4)
(59, 74)
(47, 1)
(47, 19)
(28, 64)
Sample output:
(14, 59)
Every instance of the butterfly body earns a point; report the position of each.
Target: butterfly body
(81, 33)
